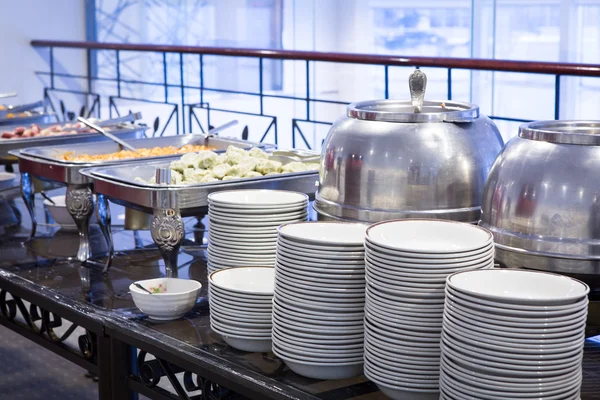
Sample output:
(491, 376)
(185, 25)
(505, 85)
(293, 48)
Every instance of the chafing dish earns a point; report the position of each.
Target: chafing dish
(44, 163)
(169, 204)
(382, 160)
(542, 199)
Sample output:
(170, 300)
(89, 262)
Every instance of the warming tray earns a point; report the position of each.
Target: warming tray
(125, 131)
(168, 204)
(36, 118)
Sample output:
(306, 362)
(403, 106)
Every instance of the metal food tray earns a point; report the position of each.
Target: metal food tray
(44, 162)
(36, 118)
(168, 204)
(119, 184)
(125, 131)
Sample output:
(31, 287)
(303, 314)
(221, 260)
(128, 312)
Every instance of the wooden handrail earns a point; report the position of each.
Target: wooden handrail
(351, 58)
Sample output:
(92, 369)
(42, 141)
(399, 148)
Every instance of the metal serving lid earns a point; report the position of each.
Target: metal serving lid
(403, 111)
(565, 132)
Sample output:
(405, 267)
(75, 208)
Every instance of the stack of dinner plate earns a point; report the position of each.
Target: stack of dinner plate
(513, 334)
(407, 263)
(318, 306)
(243, 225)
(240, 302)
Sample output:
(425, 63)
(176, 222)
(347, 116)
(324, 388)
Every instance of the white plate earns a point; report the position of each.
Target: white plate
(256, 299)
(321, 291)
(328, 254)
(333, 273)
(518, 309)
(234, 306)
(432, 292)
(259, 232)
(346, 250)
(423, 262)
(257, 198)
(402, 392)
(241, 318)
(392, 281)
(425, 351)
(415, 323)
(242, 255)
(351, 300)
(406, 332)
(255, 211)
(227, 329)
(464, 256)
(418, 278)
(416, 312)
(320, 353)
(245, 280)
(319, 305)
(324, 262)
(274, 216)
(236, 324)
(405, 300)
(429, 236)
(245, 343)
(314, 357)
(242, 250)
(388, 356)
(254, 315)
(317, 329)
(317, 283)
(519, 286)
(231, 243)
(328, 371)
(263, 261)
(324, 315)
(282, 326)
(330, 233)
(323, 345)
(252, 224)
(401, 372)
(302, 317)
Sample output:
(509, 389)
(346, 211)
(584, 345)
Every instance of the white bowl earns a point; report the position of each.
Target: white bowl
(320, 345)
(309, 356)
(258, 198)
(335, 342)
(322, 301)
(251, 280)
(427, 272)
(329, 233)
(231, 244)
(358, 272)
(319, 254)
(430, 353)
(264, 317)
(308, 260)
(401, 392)
(440, 261)
(342, 293)
(243, 233)
(243, 239)
(240, 306)
(7, 180)
(59, 213)
(180, 297)
(313, 319)
(407, 373)
(242, 215)
(428, 236)
(241, 252)
(317, 352)
(236, 324)
(322, 370)
(262, 333)
(388, 356)
(349, 250)
(258, 222)
(246, 343)
(292, 306)
(316, 327)
(252, 298)
(404, 336)
(519, 286)
(317, 283)
(432, 292)
(416, 323)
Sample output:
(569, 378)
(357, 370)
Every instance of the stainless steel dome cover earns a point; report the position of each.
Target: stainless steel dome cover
(384, 161)
(542, 198)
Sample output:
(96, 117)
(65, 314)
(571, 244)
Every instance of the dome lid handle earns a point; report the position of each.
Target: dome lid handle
(417, 83)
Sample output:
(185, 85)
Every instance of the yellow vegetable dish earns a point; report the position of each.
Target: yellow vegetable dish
(127, 154)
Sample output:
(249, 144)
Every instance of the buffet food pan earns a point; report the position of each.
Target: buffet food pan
(46, 162)
(122, 184)
(35, 118)
(8, 146)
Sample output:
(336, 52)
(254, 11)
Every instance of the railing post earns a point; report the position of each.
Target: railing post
(557, 97)
(164, 60)
(182, 86)
(118, 73)
(449, 83)
(387, 82)
(88, 55)
(307, 90)
(260, 83)
(201, 80)
(51, 67)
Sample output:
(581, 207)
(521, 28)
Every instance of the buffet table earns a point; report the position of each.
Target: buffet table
(131, 354)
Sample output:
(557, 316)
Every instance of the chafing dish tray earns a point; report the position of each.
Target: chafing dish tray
(45, 163)
(125, 131)
(36, 117)
(169, 203)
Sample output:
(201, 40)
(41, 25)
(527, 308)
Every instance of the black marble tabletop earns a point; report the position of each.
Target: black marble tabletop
(46, 265)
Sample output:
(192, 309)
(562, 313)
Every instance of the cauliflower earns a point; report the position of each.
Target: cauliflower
(221, 159)
(189, 159)
(188, 173)
(206, 159)
(208, 178)
(238, 170)
(197, 175)
(312, 166)
(235, 150)
(252, 174)
(220, 170)
(176, 177)
(257, 153)
(177, 165)
(294, 166)
(249, 162)
(230, 177)
(235, 158)
(267, 166)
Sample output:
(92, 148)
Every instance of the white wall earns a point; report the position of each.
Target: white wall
(24, 20)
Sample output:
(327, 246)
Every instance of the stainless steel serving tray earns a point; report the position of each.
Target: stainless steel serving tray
(43, 162)
(36, 118)
(118, 183)
(9, 145)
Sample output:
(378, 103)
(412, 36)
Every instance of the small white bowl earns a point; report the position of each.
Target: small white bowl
(179, 298)
(258, 198)
(59, 213)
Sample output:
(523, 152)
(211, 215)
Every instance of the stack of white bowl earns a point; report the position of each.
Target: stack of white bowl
(243, 225)
(513, 334)
(241, 307)
(407, 263)
(318, 307)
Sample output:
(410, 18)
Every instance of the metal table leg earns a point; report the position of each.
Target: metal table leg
(80, 205)
(28, 194)
(168, 233)
(103, 214)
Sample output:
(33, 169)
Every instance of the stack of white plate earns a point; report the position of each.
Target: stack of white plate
(407, 263)
(241, 307)
(318, 307)
(513, 334)
(243, 225)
